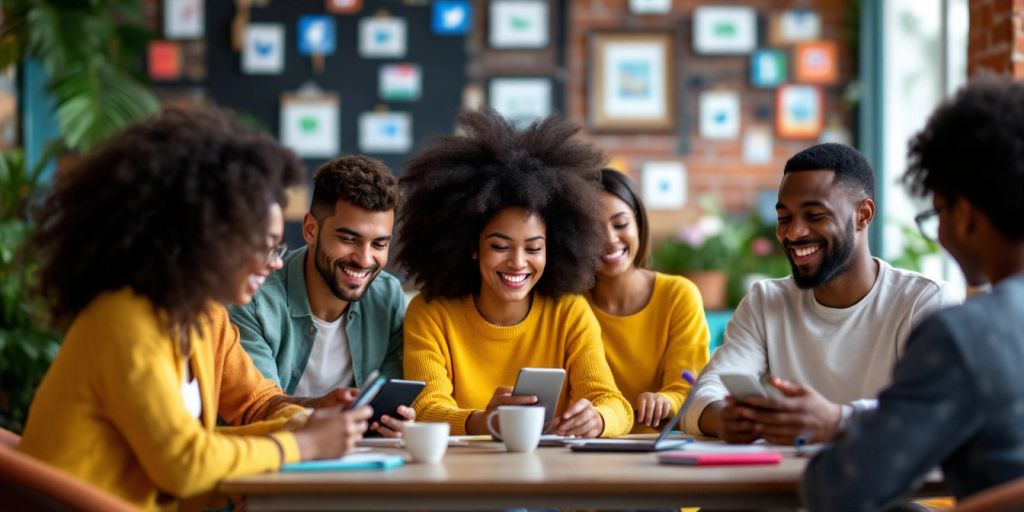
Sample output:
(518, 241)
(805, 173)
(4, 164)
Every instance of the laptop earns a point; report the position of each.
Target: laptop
(660, 444)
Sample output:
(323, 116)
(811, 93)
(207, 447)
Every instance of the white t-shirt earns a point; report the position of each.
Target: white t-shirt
(846, 354)
(190, 391)
(330, 363)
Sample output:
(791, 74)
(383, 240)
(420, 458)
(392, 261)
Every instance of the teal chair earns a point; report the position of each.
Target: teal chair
(717, 320)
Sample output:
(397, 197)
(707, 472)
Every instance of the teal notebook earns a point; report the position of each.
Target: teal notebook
(355, 462)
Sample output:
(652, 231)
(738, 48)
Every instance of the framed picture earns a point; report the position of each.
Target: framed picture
(724, 30)
(385, 132)
(400, 82)
(650, 6)
(816, 62)
(632, 77)
(164, 60)
(451, 17)
(183, 19)
(793, 26)
(343, 6)
(317, 35)
(521, 100)
(382, 37)
(519, 24)
(310, 124)
(799, 111)
(663, 185)
(719, 115)
(767, 68)
(263, 53)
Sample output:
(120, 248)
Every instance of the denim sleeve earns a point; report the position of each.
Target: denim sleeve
(392, 365)
(930, 409)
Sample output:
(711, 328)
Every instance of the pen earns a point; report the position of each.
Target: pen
(688, 377)
(802, 441)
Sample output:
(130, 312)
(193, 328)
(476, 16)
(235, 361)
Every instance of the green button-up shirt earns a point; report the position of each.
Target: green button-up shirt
(277, 328)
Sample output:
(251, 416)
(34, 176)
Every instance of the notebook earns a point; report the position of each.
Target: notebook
(662, 443)
(719, 458)
(354, 462)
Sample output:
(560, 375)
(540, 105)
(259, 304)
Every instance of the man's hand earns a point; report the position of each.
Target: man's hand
(393, 427)
(581, 419)
(802, 409)
(725, 420)
(651, 408)
(331, 432)
(477, 421)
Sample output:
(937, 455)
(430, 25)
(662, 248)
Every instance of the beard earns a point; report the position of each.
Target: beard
(328, 269)
(834, 261)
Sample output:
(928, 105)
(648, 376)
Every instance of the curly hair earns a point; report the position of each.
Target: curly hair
(167, 207)
(850, 166)
(459, 183)
(973, 147)
(362, 181)
(620, 186)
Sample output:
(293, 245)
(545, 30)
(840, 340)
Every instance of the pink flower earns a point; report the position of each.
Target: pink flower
(761, 246)
(691, 235)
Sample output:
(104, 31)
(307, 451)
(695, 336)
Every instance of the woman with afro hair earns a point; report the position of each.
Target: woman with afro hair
(141, 245)
(652, 324)
(501, 231)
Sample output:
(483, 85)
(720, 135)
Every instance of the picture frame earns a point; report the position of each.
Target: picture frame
(816, 62)
(650, 6)
(664, 185)
(400, 82)
(767, 68)
(521, 99)
(343, 6)
(719, 115)
(264, 49)
(724, 30)
(451, 17)
(184, 19)
(519, 24)
(311, 124)
(632, 81)
(384, 132)
(799, 111)
(382, 37)
(793, 26)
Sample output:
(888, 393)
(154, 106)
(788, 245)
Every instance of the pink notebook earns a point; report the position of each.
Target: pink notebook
(719, 459)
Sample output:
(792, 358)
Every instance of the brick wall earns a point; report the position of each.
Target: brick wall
(714, 166)
(996, 40)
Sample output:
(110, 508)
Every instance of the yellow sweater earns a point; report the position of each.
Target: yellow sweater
(110, 410)
(463, 358)
(648, 350)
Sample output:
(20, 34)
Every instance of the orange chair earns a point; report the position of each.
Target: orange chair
(28, 484)
(1006, 497)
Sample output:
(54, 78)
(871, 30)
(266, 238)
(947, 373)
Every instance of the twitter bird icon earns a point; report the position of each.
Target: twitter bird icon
(452, 17)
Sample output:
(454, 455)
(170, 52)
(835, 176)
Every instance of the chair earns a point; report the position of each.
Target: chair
(1006, 497)
(29, 484)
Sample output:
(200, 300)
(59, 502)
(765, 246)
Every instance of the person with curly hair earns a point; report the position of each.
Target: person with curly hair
(332, 315)
(141, 243)
(956, 398)
(501, 232)
(652, 324)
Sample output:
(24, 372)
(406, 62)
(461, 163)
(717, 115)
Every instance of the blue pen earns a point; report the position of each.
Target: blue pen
(802, 441)
(688, 377)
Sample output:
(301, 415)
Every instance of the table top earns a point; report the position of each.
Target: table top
(484, 473)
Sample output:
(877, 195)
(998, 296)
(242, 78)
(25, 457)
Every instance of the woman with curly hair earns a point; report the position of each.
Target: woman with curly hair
(501, 232)
(140, 245)
(652, 324)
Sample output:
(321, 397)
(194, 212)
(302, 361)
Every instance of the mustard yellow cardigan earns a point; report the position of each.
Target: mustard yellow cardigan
(110, 411)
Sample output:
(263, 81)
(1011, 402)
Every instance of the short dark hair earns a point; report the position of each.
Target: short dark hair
(620, 186)
(973, 147)
(459, 183)
(850, 166)
(168, 207)
(363, 181)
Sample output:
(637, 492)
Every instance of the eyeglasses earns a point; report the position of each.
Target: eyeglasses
(276, 253)
(928, 222)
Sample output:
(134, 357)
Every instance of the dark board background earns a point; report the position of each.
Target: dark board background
(442, 61)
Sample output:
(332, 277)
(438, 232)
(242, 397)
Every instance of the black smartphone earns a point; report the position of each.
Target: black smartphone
(394, 393)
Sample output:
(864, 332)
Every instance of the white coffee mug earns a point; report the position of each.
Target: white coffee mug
(426, 442)
(521, 426)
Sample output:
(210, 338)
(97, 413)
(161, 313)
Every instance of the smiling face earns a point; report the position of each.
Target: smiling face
(815, 226)
(512, 253)
(251, 275)
(350, 247)
(622, 234)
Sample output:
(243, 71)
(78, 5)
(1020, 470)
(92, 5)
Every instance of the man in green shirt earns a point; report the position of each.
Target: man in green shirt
(331, 315)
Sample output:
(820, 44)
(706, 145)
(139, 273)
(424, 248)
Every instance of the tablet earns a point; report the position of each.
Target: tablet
(545, 384)
(395, 392)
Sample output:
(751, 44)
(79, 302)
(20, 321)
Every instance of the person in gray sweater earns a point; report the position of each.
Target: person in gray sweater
(956, 399)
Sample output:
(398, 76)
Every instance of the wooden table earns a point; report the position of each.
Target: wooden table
(484, 476)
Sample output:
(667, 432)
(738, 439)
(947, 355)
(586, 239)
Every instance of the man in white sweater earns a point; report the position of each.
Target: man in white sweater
(829, 334)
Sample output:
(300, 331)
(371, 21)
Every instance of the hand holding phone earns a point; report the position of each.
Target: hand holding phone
(374, 382)
(742, 385)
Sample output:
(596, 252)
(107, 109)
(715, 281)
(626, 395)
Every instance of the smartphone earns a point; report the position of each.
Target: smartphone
(395, 392)
(742, 385)
(545, 384)
(374, 383)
